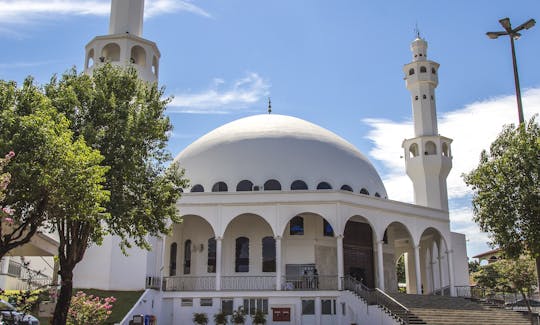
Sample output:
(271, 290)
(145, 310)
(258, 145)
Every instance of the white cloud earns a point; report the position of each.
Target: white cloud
(472, 128)
(32, 11)
(220, 99)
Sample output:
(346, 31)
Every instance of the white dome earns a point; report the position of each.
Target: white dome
(263, 147)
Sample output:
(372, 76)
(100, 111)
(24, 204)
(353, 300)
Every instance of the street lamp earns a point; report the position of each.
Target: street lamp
(513, 34)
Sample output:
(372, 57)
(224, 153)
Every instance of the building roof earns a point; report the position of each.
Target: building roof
(270, 146)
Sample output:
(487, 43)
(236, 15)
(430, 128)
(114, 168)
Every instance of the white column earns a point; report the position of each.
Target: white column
(278, 262)
(339, 239)
(449, 256)
(417, 269)
(432, 265)
(441, 283)
(5, 264)
(218, 263)
(380, 264)
(318, 311)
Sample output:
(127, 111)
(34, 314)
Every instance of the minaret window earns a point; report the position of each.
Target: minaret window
(433, 71)
(364, 191)
(272, 185)
(220, 187)
(413, 149)
(242, 255)
(111, 52)
(90, 59)
(324, 186)
(197, 188)
(423, 69)
(415, 97)
(431, 148)
(411, 72)
(424, 96)
(244, 186)
(445, 151)
(138, 55)
(299, 185)
(155, 66)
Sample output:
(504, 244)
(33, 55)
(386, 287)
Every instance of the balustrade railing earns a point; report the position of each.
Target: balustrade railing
(248, 283)
(379, 298)
(189, 283)
(315, 282)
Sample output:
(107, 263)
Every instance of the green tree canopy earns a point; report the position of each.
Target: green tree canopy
(506, 191)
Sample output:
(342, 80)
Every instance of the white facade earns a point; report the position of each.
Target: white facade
(281, 212)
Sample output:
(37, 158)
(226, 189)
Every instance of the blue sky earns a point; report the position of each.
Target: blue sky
(335, 63)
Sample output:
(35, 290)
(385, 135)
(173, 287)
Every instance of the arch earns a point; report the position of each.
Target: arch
(423, 69)
(298, 185)
(364, 191)
(296, 226)
(346, 187)
(173, 253)
(138, 55)
(324, 186)
(197, 188)
(377, 194)
(272, 185)
(268, 254)
(445, 149)
(187, 256)
(155, 66)
(211, 255)
(241, 261)
(244, 186)
(413, 150)
(90, 59)
(111, 52)
(430, 148)
(433, 70)
(432, 242)
(308, 217)
(358, 253)
(220, 187)
(411, 71)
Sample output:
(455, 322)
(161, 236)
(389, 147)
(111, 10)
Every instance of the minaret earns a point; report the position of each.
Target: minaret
(124, 45)
(428, 158)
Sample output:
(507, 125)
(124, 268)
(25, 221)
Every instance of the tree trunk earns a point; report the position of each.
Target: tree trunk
(64, 299)
(538, 272)
(526, 300)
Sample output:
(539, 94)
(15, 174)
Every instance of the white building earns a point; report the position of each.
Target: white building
(284, 215)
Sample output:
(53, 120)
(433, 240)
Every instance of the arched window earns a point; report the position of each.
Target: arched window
(377, 194)
(324, 186)
(211, 255)
(138, 55)
(433, 71)
(197, 188)
(411, 72)
(242, 255)
(244, 185)
(220, 187)
(364, 191)
(155, 66)
(413, 150)
(327, 229)
(423, 69)
(296, 226)
(445, 151)
(269, 254)
(111, 52)
(172, 259)
(299, 185)
(90, 59)
(187, 257)
(346, 188)
(431, 148)
(272, 185)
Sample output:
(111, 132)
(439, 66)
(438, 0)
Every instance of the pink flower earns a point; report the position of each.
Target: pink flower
(11, 154)
(7, 210)
(8, 220)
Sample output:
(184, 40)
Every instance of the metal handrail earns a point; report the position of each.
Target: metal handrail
(379, 298)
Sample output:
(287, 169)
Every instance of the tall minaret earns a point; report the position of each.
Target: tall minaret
(124, 45)
(428, 158)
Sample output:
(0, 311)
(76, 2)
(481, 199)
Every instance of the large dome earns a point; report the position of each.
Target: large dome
(277, 147)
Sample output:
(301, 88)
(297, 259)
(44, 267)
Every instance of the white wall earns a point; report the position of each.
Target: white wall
(461, 262)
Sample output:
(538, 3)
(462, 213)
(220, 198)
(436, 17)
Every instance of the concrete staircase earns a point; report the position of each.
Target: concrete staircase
(443, 310)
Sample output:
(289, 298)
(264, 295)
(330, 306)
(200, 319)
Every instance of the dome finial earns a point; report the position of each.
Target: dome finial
(269, 106)
(417, 31)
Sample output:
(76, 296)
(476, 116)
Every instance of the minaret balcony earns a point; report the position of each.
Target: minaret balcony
(427, 146)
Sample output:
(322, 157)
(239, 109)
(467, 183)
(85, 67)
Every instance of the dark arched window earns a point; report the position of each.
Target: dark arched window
(423, 69)
(433, 71)
(211, 255)
(244, 185)
(364, 191)
(324, 186)
(299, 185)
(220, 187)
(377, 194)
(328, 231)
(296, 226)
(197, 188)
(411, 72)
(242, 255)
(272, 185)
(269, 254)
(346, 188)
(187, 257)
(172, 259)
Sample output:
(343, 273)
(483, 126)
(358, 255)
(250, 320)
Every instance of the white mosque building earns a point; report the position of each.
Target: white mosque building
(283, 215)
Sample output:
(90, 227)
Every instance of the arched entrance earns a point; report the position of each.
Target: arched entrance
(358, 257)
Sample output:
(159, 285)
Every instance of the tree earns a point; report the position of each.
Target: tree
(56, 178)
(506, 195)
(122, 117)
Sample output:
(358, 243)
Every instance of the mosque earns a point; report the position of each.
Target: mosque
(283, 215)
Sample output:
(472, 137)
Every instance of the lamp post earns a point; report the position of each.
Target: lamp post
(514, 35)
